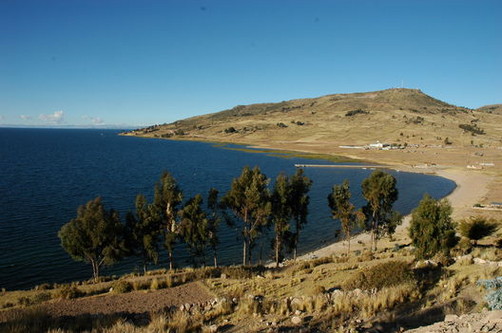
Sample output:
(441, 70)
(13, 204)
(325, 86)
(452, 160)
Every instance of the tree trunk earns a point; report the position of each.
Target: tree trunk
(170, 253)
(215, 259)
(244, 252)
(348, 245)
(277, 249)
(95, 270)
(297, 238)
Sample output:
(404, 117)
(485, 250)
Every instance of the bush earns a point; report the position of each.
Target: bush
(355, 112)
(477, 227)
(474, 129)
(230, 130)
(69, 292)
(121, 286)
(386, 274)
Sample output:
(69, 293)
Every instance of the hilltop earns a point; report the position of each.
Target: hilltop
(494, 108)
(392, 115)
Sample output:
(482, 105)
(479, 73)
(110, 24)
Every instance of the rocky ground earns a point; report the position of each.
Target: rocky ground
(487, 321)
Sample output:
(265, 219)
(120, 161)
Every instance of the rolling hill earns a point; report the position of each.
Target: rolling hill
(394, 115)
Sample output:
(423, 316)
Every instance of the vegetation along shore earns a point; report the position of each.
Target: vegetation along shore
(441, 265)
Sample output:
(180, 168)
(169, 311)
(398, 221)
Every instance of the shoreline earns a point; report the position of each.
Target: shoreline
(471, 187)
(468, 190)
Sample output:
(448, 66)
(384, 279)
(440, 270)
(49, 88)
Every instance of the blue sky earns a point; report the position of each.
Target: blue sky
(127, 62)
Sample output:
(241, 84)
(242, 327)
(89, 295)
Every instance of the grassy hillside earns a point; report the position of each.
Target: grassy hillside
(494, 108)
(392, 115)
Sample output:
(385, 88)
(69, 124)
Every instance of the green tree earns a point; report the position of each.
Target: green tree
(213, 223)
(168, 197)
(193, 228)
(248, 198)
(343, 210)
(281, 213)
(94, 236)
(300, 187)
(431, 228)
(380, 191)
(143, 231)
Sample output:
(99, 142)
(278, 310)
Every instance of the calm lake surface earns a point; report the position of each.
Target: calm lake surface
(45, 174)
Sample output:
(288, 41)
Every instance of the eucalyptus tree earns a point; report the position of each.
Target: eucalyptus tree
(143, 231)
(380, 191)
(300, 187)
(193, 228)
(343, 210)
(249, 200)
(94, 236)
(213, 223)
(282, 212)
(431, 228)
(168, 197)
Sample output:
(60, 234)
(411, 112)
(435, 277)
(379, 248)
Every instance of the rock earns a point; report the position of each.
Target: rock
(213, 329)
(450, 318)
(223, 276)
(295, 320)
(494, 316)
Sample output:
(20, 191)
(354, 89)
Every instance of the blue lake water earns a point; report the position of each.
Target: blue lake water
(45, 174)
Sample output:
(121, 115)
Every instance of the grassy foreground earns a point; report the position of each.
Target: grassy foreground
(386, 289)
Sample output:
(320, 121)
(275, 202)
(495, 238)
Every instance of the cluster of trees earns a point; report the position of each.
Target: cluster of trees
(377, 216)
(98, 236)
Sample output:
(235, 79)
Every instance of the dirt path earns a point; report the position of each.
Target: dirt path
(133, 302)
(136, 302)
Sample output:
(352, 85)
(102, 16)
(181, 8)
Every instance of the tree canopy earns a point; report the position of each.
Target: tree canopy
(168, 197)
(343, 210)
(143, 231)
(248, 198)
(281, 213)
(94, 236)
(380, 191)
(300, 187)
(193, 227)
(431, 228)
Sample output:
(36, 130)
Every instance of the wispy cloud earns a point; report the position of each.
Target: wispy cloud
(25, 117)
(94, 120)
(1, 117)
(54, 118)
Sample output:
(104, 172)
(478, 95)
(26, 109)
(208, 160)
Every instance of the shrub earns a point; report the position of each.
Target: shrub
(474, 129)
(155, 284)
(121, 286)
(355, 112)
(230, 130)
(386, 274)
(69, 292)
(477, 227)
(41, 297)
